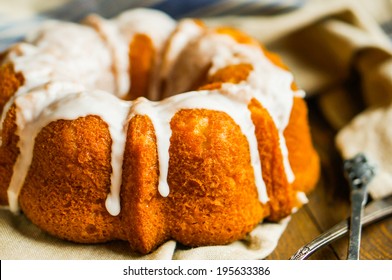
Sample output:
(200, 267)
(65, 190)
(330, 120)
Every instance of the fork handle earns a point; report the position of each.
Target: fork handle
(359, 173)
(375, 211)
(357, 201)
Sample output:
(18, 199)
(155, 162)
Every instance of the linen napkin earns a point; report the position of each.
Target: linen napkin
(327, 45)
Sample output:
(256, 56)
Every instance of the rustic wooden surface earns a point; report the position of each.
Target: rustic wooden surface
(329, 204)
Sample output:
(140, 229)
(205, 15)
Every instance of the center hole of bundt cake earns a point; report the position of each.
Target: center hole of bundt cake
(151, 79)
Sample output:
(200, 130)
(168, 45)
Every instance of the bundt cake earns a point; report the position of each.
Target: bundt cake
(144, 129)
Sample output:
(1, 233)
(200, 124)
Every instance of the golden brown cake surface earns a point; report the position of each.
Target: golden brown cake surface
(203, 167)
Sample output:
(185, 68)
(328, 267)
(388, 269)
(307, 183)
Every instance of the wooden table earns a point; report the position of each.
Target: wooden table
(329, 204)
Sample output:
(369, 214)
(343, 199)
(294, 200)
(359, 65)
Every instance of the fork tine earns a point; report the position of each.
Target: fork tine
(359, 173)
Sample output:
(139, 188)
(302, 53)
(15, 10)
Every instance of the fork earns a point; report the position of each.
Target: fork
(359, 173)
(374, 211)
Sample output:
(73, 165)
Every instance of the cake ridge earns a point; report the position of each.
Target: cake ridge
(191, 74)
(31, 117)
(228, 52)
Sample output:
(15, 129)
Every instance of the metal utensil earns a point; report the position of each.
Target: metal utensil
(374, 211)
(359, 173)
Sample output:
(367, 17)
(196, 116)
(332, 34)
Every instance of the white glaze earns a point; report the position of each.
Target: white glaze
(55, 101)
(301, 199)
(78, 54)
(158, 27)
(58, 56)
(233, 101)
(118, 47)
(271, 84)
(186, 31)
(273, 90)
(53, 53)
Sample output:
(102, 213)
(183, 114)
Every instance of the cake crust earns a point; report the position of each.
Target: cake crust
(203, 167)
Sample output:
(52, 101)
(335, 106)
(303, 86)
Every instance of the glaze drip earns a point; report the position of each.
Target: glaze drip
(56, 101)
(61, 82)
(233, 101)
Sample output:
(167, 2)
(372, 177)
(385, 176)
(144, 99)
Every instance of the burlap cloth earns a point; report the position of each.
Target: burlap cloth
(338, 54)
